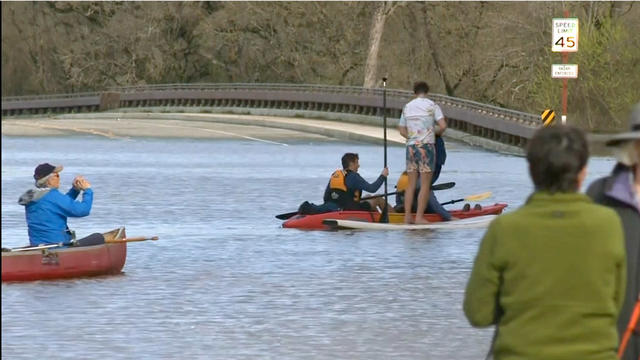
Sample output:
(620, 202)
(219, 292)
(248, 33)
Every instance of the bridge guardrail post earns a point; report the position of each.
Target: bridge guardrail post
(109, 100)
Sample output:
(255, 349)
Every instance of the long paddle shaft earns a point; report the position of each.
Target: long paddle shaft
(443, 186)
(633, 324)
(385, 212)
(48, 246)
(476, 197)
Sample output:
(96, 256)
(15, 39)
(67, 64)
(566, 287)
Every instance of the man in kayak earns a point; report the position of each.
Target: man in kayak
(344, 190)
(418, 125)
(346, 185)
(551, 275)
(47, 209)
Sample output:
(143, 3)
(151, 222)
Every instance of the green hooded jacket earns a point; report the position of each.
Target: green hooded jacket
(551, 275)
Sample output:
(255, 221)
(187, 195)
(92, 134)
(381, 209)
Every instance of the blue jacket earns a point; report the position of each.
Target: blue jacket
(47, 210)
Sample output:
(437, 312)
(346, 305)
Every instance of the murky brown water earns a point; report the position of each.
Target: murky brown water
(225, 281)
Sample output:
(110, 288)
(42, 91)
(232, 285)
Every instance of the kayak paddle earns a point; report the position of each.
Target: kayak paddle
(476, 197)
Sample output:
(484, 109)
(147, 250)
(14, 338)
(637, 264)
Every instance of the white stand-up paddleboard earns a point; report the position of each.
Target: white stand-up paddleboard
(474, 222)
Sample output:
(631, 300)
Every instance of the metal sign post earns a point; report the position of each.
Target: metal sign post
(565, 40)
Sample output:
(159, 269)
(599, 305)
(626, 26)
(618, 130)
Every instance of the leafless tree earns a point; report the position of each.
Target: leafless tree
(382, 11)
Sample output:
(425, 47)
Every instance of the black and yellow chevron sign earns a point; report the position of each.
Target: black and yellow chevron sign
(547, 117)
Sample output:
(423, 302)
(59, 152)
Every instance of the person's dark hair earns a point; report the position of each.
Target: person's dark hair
(556, 155)
(420, 87)
(348, 158)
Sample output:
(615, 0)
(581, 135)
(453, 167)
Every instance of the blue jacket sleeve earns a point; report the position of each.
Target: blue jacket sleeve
(355, 181)
(73, 193)
(71, 208)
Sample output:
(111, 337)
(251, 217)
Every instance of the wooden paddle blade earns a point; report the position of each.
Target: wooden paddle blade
(478, 197)
(133, 239)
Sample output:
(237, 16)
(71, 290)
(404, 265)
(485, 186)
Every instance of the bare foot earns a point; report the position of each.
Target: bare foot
(421, 221)
(408, 219)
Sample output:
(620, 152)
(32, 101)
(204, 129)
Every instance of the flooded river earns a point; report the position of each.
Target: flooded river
(225, 281)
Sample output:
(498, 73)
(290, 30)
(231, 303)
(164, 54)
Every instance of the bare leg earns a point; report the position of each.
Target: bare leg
(379, 204)
(408, 196)
(423, 197)
(372, 203)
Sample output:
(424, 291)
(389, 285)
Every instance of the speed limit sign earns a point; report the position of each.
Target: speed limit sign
(565, 35)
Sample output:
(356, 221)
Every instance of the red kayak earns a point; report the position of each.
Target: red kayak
(54, 262)
(314, 222)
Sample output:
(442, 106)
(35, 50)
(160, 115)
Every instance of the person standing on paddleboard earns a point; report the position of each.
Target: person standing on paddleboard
(433, 205)
(418, 125)
(551, 275)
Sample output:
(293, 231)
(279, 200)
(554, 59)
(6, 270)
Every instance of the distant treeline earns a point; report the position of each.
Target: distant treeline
(491, 52)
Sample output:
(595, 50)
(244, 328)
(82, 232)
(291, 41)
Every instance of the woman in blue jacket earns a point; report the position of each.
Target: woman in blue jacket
(47, 209)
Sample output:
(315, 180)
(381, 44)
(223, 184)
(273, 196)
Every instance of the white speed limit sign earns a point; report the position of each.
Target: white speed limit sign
(565, 35)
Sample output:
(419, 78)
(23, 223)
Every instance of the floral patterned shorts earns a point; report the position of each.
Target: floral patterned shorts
(421, 158)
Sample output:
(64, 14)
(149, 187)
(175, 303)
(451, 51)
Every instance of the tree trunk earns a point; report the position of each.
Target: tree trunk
(380, 15)
(433, 45)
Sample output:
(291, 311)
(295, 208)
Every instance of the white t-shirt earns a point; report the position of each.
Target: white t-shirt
(420, 116)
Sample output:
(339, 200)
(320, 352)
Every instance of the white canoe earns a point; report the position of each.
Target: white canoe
(475, 222)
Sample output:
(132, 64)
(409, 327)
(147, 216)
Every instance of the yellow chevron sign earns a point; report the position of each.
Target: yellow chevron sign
(547, 117)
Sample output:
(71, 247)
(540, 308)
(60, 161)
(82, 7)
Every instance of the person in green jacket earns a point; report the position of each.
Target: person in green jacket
(551, 275)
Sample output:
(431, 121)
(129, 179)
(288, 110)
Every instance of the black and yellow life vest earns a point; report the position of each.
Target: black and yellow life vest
(338, 192)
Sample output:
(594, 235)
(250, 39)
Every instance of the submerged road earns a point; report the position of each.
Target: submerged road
(208, 126)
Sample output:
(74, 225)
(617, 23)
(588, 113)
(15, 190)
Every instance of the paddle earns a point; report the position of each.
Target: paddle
(140, 238)
(385, 212)
(476, 197)
(108, 241)
(631, 328)
(443, 186)
(33, 247)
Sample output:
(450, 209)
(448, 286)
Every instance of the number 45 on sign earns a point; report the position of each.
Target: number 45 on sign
(565, 35)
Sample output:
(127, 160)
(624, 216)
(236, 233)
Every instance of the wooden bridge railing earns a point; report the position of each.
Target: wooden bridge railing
(503, 125)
